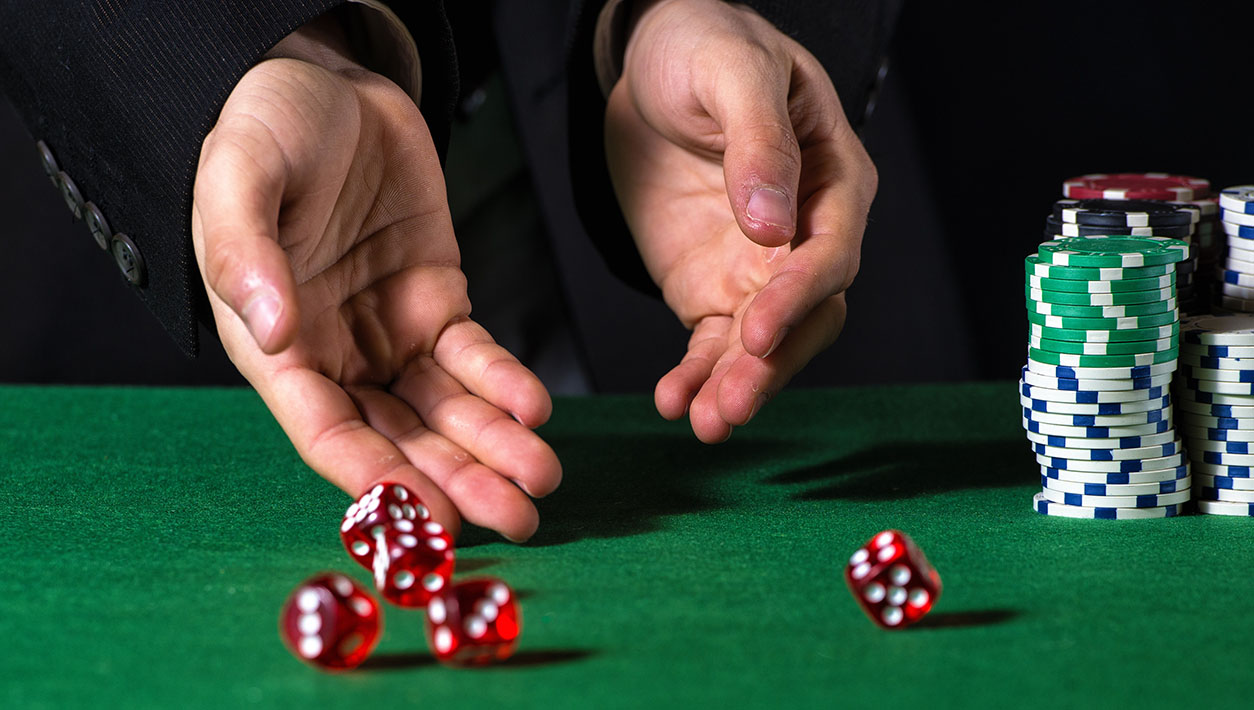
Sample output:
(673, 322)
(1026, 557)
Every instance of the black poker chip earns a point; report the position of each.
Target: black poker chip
(1126, 213)
(1055, 227)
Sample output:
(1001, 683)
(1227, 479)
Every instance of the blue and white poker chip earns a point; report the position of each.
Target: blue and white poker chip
(1213, 410)
(1102, 420)
(1044, 506)
(1093, 397)
(1112, 467)
(1214, 398)
(1217, 469)
(1237, 218)
(1096, 432)
(1102, 373)
(1117, 478)
(1072, 384)
(1097, 409)
(1137, 501)
(1116, 489)
(1056, 454)
(1230, 495)
(1217, 330)
(1238, 484)
(1214, 507)
(1239, 198)
(1085, 442)
(1216, 387)
(1222, 458)
(1206, 421)
(1215, 374)
(1191, 433)
(1234, 229)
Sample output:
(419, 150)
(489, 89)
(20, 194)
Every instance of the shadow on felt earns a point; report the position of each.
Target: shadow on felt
(619, 486)
(895, 471)
(408, 660)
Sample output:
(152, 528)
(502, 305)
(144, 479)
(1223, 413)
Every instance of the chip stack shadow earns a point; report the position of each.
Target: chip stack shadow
(1103, 343)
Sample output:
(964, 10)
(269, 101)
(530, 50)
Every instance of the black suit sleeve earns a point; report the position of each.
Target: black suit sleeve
(848, 37)
(124, 92)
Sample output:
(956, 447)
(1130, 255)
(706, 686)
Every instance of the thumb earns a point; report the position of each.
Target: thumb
(761, 158)
(238, 193)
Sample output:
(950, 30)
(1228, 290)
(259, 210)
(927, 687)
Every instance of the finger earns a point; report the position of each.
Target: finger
(467, 352)
(707, 422)
(750, 382)
(238, 192)
(486, 432)
(675, 390)
(329, 434)
(825, 256)
(481, 495)
(761, 158)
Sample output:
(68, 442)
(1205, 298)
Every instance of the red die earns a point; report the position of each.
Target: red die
(383, 504)
(331, 622)
(892, 580)
(474, 622)
(410, 564)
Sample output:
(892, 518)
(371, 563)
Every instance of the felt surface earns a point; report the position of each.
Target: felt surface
(151, 536)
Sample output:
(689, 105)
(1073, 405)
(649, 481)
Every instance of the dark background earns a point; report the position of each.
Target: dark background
(984, 113)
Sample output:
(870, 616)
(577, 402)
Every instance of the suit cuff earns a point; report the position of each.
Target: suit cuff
(609, 43)
(383, 44)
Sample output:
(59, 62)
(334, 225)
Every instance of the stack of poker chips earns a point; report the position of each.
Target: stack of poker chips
(1214, 398)
(1147, 218)
(1237, 275)
(1103, 343)
(1193, 277)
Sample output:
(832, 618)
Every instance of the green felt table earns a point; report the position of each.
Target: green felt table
(151, 535)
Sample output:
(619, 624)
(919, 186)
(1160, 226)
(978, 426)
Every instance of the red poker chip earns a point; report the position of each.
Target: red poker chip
(1136, 186)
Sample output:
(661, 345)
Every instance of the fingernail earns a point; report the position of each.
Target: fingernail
(779, 338)
(261, 313)
(771, 206)
(758, 404)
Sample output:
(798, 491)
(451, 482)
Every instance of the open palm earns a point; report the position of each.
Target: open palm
(323, 234)
(746, 191)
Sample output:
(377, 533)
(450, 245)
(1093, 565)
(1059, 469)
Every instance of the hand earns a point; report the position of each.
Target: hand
(747, 193)
(323, 235)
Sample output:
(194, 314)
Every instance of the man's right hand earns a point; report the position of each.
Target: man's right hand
(323, 235)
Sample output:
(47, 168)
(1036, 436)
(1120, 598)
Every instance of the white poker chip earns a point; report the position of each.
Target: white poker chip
(1216, 374)
(1204, 421)
(1238, 218)
(1214, 410)
(1238, 199)
(1228, 495)
(1213, 507)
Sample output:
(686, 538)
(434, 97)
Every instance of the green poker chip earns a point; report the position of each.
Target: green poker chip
(1090, 286)
(1083, 323)
(1127, 347)
(1113, 251)
(1104, 336)
(1123, 298)
(1135, 309)
(1033, 265)
(1137, 360)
